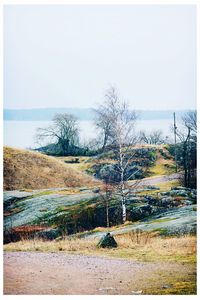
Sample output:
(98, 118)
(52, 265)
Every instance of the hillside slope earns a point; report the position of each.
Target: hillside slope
(30, 170)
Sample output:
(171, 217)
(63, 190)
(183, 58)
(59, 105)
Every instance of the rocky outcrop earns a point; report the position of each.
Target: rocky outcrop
(142, 211)
(64, 214)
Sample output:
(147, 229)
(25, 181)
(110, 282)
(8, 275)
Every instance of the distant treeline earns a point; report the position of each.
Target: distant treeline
(84, 114)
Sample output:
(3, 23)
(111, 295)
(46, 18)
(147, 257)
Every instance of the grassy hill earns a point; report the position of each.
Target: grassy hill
(30, 170)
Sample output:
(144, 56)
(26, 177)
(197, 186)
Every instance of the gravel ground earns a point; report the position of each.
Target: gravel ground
(63, 274)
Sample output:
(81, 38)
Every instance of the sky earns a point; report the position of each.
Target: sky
(68, 56)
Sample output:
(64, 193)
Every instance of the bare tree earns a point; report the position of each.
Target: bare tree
(107, 194)
(64, 132)
(121, 140)
(103, 124)
(187, 134)
(155, 137)
(143, 137)
(190, 121)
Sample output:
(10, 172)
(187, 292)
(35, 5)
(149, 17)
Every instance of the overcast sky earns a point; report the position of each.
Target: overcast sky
(67, 56)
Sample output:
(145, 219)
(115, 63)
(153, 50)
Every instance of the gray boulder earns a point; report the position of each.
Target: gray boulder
(187, 202)
(164, 193)
(133, 200)
(165, 202)
(141, 212)
(180, 188)
(151, 200)
(48, 234)
(152, 187)
(107, 241)
(192, 195)
(180, 193)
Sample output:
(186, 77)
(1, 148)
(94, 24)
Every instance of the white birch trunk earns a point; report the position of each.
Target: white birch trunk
(122, 185)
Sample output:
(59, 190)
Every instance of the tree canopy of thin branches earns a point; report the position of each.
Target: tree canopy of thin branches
(155, 137)
(64, 132)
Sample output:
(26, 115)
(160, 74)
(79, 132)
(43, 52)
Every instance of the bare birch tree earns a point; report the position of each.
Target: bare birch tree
(121, 137)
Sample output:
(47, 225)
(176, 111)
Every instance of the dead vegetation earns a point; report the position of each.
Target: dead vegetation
(133, 245)
(30, 170)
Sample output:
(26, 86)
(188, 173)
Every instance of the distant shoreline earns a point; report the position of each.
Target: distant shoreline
(83, 114)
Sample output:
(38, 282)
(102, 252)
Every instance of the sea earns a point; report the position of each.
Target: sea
(22, 134)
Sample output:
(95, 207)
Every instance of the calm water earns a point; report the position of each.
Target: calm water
(21, 134)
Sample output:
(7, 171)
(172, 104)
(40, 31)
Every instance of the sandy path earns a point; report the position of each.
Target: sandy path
(63, 274)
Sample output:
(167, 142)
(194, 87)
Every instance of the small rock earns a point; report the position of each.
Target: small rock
(152, 187)
(187, 202)
(136, 292)
(97, 190)
(107, 289)
(177, 188)
(166, 286)
(164, 193)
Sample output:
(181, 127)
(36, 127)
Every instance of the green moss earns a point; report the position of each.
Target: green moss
(161, 220)
(161, 231)
(152, 155)
(48, 192)
(145, 193)
(173, 285)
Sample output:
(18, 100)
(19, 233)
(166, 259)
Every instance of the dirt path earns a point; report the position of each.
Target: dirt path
(63, 274)
(158, 179)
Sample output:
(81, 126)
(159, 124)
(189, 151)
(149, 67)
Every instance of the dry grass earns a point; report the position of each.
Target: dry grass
(138, 246)
(30, 170)
(163, 187)
(67, 245)
(151, 247)
(162, 166)
(85, 162)
(167, 185)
